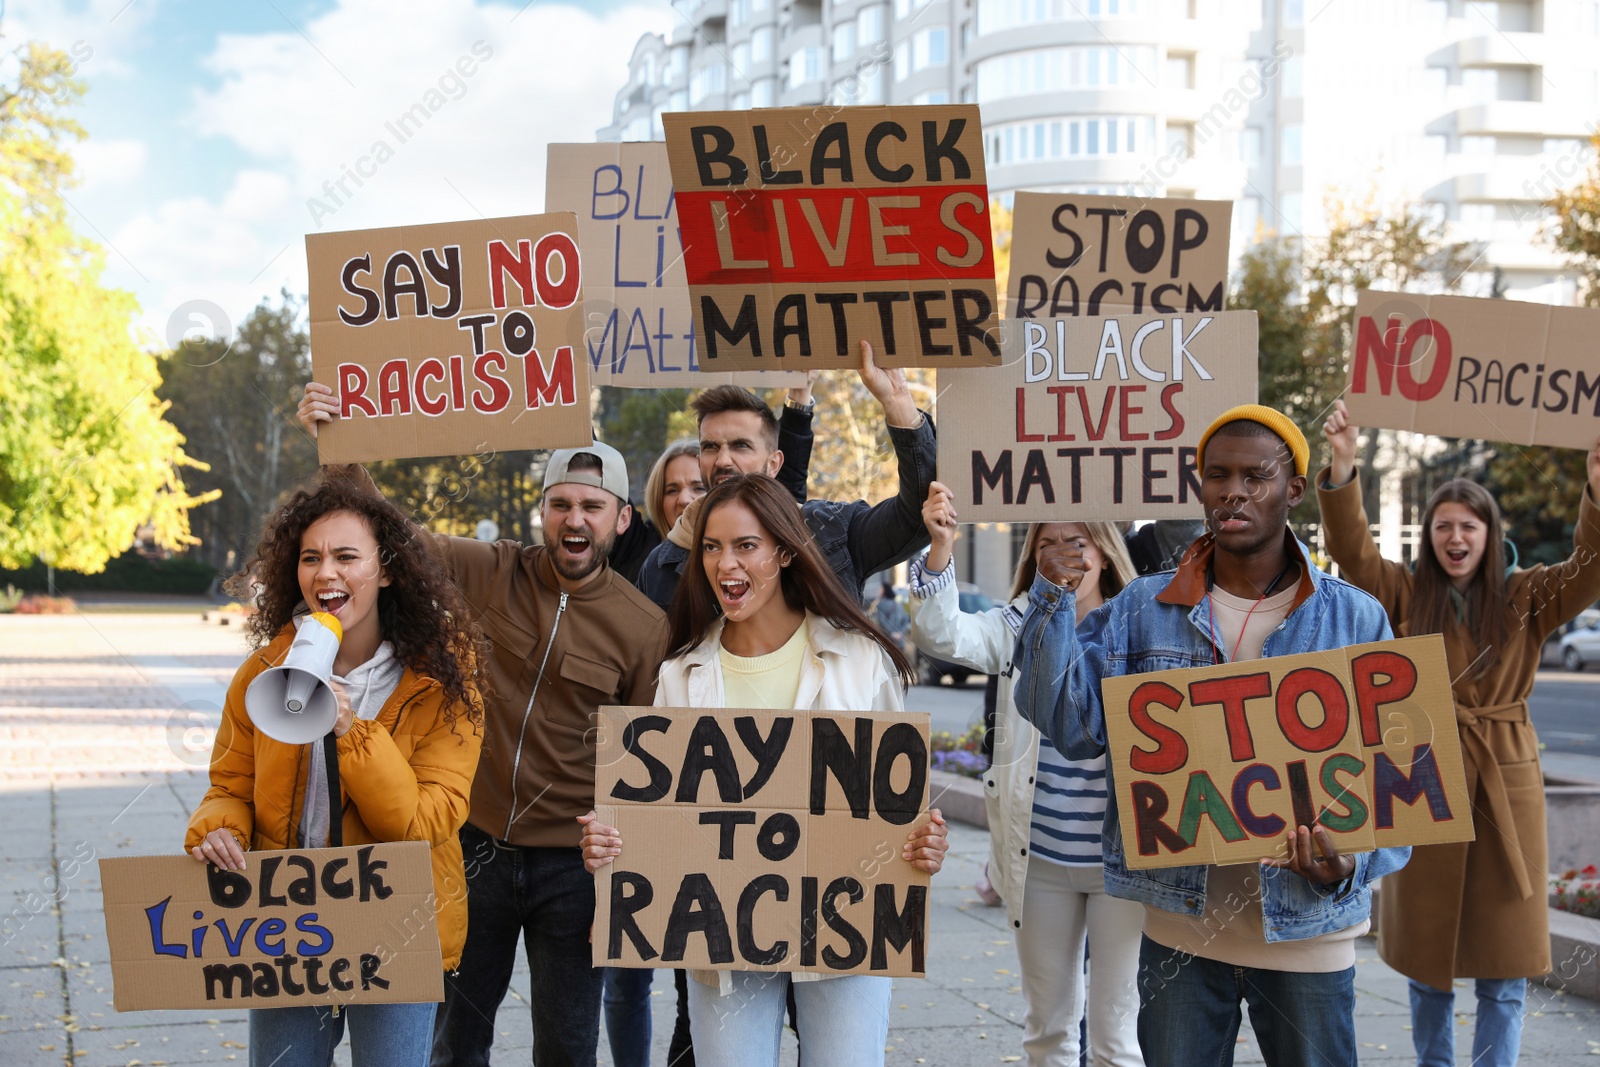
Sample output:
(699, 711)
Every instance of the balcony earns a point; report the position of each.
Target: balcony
(1493, 50)
(1528, 117)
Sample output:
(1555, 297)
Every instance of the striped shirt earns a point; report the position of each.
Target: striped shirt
(1069, 808)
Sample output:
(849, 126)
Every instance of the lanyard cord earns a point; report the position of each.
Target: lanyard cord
(1211, 607)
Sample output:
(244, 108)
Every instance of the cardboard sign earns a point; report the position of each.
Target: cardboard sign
(1457, 366)
(1075, 254)
(1216, 764)
(808, 229)
(762, 840)
(308, 926)
(456, 338)
(638, 332)
(1093, 418)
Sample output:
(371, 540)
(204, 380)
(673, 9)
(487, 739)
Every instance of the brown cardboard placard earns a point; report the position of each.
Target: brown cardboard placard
(1093, 418)
(1078, 254)
(762, 840)
(638, 330)
(449, 339)
(353, 925)
(808, 229)
(1213, 765)
(1456, 366)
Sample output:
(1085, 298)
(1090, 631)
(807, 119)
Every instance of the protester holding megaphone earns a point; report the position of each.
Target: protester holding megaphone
(357, 723)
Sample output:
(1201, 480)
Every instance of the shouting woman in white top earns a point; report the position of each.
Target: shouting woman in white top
(760, 621)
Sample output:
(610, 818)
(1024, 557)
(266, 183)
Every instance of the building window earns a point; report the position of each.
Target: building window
(1290, 146)
(1478, 146)
(1068, 138)
(764, 93)
(929, 48)
(741, 59)
(1293, 75)
(1246, 219)
(741, 101)
(844, 41)
(679, 101)
(707, 81)
(996, 15)
(871, 86)
(932, 96)
(1250, 146)
(869, 25)
(1180, 72)
(637, 129)
(1046, 70)
(738, 13)
(677, 66)
(1294, 12)
(805, 66)
(761, 44)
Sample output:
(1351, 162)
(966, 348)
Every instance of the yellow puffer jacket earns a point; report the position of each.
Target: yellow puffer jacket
(404, 776)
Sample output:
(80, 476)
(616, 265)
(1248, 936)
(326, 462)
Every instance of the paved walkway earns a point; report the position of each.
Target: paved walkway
(105, 727)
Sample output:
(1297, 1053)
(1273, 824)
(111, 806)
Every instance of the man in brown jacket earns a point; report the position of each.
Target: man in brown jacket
(568, 636)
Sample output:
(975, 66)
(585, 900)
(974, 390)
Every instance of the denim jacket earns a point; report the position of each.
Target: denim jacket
(857, 539)
(1163, 622)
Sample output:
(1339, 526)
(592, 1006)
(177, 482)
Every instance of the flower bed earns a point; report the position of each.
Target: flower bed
(1577, 891)
(959, 753)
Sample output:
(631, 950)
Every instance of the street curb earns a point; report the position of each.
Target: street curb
(959, 798)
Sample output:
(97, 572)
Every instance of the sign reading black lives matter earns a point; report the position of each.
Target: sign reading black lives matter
(762, 840)
(1118, 355)
(808, 229)
(352, 925)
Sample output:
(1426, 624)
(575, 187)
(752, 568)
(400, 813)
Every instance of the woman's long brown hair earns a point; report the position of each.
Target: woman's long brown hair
(1486, 615)
(808, 583)
(420, 611)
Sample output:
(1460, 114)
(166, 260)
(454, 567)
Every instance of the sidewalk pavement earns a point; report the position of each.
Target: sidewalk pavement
(104, 735)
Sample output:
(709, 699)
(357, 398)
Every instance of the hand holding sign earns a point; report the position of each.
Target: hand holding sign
(600, 844)
(939, 516)
(1594, 471)
(1327, 870)
(221, 848)
(317, 405)
(1341, 434)
(926, 845)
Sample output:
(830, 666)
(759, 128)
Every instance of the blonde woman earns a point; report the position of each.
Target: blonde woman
(1045, 810)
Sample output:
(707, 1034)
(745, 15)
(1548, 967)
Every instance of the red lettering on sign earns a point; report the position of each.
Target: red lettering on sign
(353, 391)
(1231, 693)
(1335, 709)
(1400, 676)
(1171, 751)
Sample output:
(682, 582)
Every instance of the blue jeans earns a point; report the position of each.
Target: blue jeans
(627, 1001)
(1189, 1012)
(1496, 1039)
(545, 896)
(844, 1021)
(381, 1035)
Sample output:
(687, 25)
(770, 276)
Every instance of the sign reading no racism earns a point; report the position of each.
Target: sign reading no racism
(638, 330)
(351, 925)
(1217, 764)
(806, 230)
(1500, 370)
(762, 840)
(448, 339)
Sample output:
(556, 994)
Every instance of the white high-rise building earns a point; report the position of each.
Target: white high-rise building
(1476, 111)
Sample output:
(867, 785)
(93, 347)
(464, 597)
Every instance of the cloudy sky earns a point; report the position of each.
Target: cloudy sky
(217, 132)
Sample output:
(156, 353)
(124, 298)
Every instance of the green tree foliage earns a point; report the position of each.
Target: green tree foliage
(235, 405)
(85, 455)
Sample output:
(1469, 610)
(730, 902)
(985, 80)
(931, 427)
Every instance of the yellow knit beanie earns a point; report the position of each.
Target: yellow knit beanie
(1276, 421)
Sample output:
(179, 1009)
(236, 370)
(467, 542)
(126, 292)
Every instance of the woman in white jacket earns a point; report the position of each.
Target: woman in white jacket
(760, 621)
(1045, 811)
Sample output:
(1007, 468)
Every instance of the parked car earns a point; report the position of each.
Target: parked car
(1580, 646)
(931, 670)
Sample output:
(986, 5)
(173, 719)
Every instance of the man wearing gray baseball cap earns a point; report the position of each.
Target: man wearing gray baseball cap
(567, 635)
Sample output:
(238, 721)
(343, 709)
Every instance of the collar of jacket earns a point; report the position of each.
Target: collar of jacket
(544, 569)
(825, 638)
(1188, 585)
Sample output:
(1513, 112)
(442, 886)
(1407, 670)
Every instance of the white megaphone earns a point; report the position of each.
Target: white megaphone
(292, 702)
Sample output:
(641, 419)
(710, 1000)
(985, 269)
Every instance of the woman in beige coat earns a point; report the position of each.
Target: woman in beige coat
(1470, 909)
